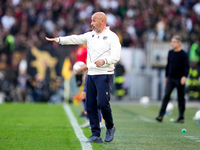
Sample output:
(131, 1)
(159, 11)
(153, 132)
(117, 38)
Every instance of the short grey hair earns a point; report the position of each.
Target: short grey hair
(177, 37)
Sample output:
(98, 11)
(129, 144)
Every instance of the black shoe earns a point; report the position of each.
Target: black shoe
(109, 134)
(159, 118)
(95, 139)
(82, 114)
(179, 121)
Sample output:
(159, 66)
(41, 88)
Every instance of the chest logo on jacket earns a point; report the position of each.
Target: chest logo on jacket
(105, 37)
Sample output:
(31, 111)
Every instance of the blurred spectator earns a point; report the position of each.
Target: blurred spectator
(3, 61)
(35, 89)
(119, 80)
(8, 84)
(58, 94)
(194, 55)
(16, 2)
(196, 8)
(46, 83)
(21, 89)
(176, 2)
(160, 28)
(134, 19)
(8, 19)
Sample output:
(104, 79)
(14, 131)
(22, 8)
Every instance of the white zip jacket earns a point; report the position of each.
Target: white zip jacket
(105, 46)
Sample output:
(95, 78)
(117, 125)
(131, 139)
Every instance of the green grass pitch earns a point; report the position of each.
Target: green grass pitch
(46, 127)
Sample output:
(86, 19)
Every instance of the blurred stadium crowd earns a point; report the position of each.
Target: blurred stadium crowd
(26, 23)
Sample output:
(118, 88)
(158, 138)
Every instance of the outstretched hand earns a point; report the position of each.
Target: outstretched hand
(52, 39)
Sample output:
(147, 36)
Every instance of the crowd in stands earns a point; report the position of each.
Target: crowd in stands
(135, 21)
(26, 23)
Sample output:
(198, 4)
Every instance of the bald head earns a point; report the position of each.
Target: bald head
(101, 16)
(99, 20)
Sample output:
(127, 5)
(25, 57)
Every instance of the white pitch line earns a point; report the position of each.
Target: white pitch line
(78, 131)
(145, 119)
(193, 138)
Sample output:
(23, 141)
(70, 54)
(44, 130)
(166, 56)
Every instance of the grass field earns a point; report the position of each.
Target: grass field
(46, 127)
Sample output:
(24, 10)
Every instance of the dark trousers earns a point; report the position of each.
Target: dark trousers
(85, 108)
(171, 84)
(98, 97)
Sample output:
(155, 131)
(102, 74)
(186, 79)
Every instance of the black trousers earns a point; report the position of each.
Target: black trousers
(171, 84)
(98, 89)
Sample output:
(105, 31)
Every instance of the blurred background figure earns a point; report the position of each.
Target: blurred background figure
(193, 86)
(22, 88)
(58, 93)
(177, 70)
(35, 89)
(119, 80)
(80, 63)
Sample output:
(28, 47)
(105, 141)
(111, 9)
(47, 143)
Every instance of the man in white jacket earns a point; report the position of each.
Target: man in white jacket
(103, 49)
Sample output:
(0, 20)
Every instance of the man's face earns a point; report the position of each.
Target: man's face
(96, 23)
(175, 44)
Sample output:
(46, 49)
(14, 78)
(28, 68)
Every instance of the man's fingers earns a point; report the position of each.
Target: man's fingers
(99, 63)
(50, 39)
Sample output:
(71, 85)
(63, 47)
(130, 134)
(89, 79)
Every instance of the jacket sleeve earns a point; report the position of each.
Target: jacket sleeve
(74, 39)
(114, 56)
